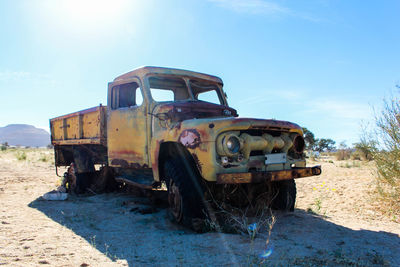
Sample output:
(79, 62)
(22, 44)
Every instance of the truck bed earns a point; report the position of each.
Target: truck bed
(79, 128)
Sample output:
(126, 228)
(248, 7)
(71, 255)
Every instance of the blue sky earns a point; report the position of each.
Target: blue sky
(322, 64)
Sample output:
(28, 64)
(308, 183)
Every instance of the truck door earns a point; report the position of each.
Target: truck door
(126, 126)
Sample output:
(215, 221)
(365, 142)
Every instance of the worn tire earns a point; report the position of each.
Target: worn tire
(285, 195)
(185, 194)
(104, 180)
(82, 182)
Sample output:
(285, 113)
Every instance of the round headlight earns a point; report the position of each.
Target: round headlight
(298, 144)
(233, 144)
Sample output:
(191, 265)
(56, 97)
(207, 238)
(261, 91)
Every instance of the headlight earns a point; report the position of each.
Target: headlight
(229, 144)
(233, 144)
(298, 144)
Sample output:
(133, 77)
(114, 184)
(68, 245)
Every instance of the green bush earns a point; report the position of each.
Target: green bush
(21, 155)
(383, 146)
(364, 150)
(43, 158)
(4, 146)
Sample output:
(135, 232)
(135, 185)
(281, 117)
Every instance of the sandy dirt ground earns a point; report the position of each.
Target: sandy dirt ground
(335, 223)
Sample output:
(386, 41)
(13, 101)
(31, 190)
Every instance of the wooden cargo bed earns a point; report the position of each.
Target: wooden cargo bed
(79, 128)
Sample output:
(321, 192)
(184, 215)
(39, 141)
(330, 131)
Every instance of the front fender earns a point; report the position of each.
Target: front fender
(196, 141)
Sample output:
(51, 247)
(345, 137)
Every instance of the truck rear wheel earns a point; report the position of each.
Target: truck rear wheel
(185, 193)
(285, 196)
(103, 180)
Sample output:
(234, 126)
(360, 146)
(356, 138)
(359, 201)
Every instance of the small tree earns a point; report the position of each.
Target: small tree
(4, 146)
(309, 139)
(365, 148)
(343, 153)
(325, 145)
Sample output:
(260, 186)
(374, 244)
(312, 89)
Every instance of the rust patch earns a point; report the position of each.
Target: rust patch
(129, 154)
(267, 124)
(124, 164)
(190, 138)
(120, 162)
(203, 133)
(259, 177)
(138, 166)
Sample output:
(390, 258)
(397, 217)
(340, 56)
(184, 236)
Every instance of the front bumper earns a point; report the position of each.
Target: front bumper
(259, 177)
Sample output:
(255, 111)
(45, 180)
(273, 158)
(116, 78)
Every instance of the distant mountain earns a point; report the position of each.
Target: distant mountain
(24, 135)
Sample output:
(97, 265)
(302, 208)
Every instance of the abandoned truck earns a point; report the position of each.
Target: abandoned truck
(175, 127)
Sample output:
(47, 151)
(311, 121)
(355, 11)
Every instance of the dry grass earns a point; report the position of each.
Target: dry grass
(343, 154)
(31, 155)
(356, 182)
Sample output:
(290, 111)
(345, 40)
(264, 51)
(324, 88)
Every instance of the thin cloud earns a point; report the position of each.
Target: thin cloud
(252, 6)
(25, 76)
(14, 75)
(342, 109)
(265, 96)
(262, 7)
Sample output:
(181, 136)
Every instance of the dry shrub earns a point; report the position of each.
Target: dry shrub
(383, 144)
(21, 155)
(229, 217)
(343, 154)
(356, 155)
(363, 151)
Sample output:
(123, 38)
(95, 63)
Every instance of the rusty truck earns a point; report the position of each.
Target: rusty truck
(174, 128)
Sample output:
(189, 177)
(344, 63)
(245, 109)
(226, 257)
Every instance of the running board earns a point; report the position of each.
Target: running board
(129, 182)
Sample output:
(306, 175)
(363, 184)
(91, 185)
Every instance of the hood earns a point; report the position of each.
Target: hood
(230, 124)
(209, 128)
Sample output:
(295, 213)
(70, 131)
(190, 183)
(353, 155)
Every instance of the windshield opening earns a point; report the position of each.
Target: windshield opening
(206, 91)
(167, 88)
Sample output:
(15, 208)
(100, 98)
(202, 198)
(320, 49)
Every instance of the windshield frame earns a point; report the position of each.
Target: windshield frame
(187, 79)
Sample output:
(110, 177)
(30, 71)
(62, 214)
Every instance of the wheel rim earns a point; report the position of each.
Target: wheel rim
(175, 200)
(71, 178)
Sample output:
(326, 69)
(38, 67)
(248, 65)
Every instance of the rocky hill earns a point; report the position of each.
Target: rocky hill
(24, 135)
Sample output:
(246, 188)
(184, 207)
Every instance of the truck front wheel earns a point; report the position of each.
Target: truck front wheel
(284, 196)
(184, 192)
(175, 201)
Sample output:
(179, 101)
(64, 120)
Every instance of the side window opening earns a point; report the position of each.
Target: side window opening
(114, 97)
(138, 97)
(126, 95)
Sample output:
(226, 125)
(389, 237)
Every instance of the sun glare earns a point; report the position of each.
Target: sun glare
(87, 15)
(93, 10)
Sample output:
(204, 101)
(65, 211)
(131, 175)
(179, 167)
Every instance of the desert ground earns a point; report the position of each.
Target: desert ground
(337, 222)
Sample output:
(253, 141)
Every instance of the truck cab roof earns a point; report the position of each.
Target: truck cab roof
(148, 70)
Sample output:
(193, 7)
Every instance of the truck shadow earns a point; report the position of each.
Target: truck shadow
(128, 227)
